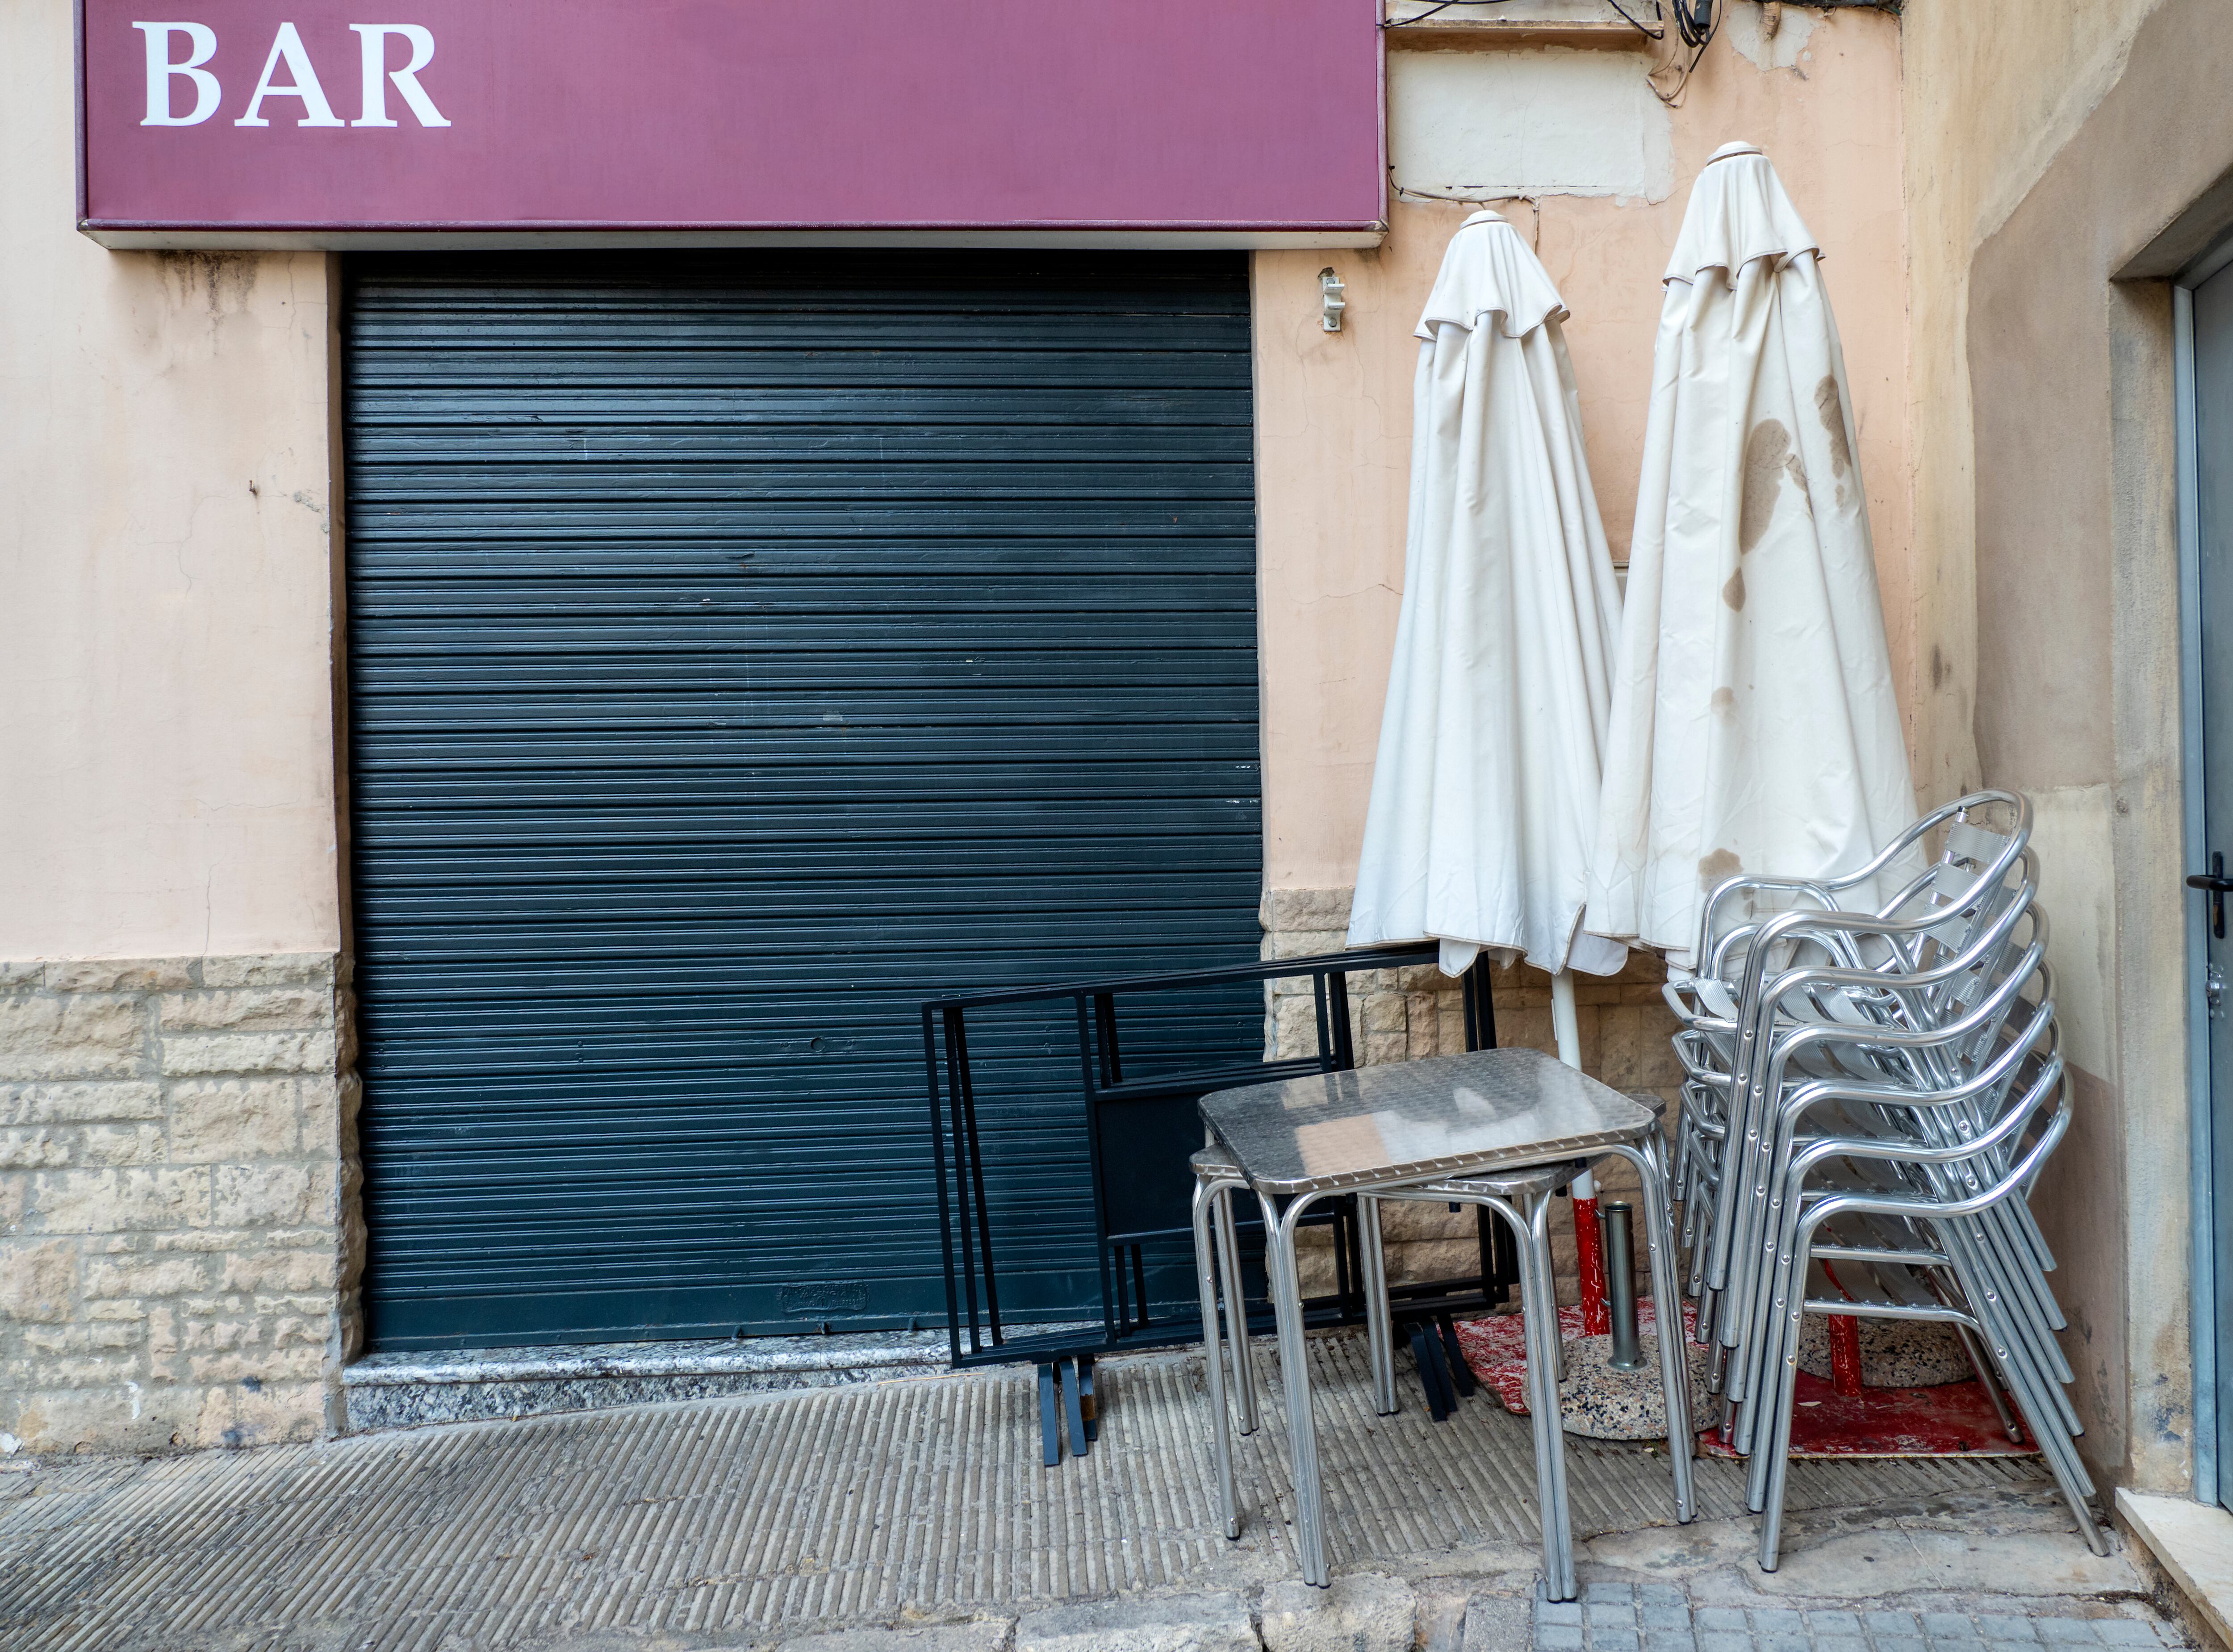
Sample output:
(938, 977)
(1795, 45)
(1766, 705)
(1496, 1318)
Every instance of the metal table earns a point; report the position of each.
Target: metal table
(1414, 1124)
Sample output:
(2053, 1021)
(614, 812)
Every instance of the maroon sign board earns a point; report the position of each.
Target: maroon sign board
(496, 122)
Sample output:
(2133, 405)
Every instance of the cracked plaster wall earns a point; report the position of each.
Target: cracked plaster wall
(166, 762)
(2064, 161)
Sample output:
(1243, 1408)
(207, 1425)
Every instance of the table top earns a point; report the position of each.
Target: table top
(1418, 1121)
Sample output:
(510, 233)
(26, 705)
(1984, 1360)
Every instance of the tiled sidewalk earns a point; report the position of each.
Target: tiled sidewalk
(1659, 1617)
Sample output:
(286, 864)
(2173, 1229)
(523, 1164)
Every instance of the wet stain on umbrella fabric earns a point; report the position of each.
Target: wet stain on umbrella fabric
(1768, 460)
(1830, 409)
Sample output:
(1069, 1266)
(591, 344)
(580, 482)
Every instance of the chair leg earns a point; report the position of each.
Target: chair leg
(1213, 1361)
(1379, 1332)
(1674, 1361)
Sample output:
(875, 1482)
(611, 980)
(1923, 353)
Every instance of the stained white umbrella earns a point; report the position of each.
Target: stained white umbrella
(1484, 787)
(1753, 724)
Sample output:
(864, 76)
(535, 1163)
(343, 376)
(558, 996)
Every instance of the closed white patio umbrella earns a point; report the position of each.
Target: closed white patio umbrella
(1753, 724)
(1484, 787)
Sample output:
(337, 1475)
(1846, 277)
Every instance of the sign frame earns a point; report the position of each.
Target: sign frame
(1356, 223)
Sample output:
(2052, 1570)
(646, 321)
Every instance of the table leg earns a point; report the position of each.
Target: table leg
(1544, 1368)
(1236, 1308)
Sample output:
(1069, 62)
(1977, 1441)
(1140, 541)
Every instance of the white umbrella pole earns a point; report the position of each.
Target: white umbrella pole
(1589, 1248)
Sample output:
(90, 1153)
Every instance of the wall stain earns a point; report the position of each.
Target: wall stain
(218, 282)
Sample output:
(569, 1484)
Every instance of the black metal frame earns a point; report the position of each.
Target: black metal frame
(1065, 1356)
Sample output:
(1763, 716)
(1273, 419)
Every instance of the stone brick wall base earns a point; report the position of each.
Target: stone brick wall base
(179, 1246)
(1402, 1015)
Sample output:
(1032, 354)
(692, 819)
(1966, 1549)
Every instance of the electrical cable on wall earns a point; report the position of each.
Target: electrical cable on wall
(1695, 24)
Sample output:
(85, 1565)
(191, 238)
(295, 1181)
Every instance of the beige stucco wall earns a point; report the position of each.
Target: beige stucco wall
(1334, 410)
(166, 761)
(2055, 154)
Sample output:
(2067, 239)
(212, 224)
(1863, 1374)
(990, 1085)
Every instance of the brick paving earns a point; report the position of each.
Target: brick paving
(1660, 1617)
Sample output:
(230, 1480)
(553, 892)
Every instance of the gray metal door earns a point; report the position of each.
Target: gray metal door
(743, 648)
(2213, 479)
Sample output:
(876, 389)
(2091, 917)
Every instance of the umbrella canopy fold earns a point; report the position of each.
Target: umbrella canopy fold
(1753, 723)
(1484, 787)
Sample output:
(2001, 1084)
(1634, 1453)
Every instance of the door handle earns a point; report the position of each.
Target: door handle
(2216, 883)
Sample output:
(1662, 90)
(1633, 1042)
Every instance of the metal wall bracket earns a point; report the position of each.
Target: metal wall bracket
(1336, 298)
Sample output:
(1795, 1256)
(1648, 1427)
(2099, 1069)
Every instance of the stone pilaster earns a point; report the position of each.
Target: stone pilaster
(180, 1242)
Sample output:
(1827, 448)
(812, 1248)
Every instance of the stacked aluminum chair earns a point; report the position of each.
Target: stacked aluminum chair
(1868, 1098)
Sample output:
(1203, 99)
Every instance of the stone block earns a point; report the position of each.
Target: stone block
(1498, 1624)
(89, 1338)
(1295, 1027)
(111, 1417)
(1386, 1012)
(22, 974)
(300, 1363)
(275, 1195)
(1306, 909)
(1404, 1221)
(41, 1147)
(275, 969)
(228, 1120)
(117, 1201)
(38, 1279)
(1452, 1258)
(246, 1009)
(51, 1147)
(118, 974)
(268, 1412)
(1360, 1614)
(1381, 1048)
(1172, 1624)
(1301, 943)
(79, 1103)
(191, 1054)
(146, 1276)
(324, 1103)
(80, 1037)
(293, 1272)
(988, 1635)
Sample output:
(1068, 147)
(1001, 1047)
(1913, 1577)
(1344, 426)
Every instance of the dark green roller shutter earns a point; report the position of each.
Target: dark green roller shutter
(742, 648)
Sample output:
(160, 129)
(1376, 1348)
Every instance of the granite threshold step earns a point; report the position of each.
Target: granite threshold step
(413, 1390)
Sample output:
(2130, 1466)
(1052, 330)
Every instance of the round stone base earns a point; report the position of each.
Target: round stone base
(1895, 1353)
(1600, 1403)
